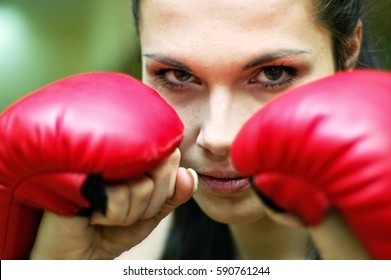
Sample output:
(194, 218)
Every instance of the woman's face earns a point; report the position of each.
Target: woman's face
(217, 63)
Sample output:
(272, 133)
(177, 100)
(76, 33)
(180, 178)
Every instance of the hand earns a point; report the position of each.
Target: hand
(81, 128)
(135, 208)
(328, 237)
(321, 152)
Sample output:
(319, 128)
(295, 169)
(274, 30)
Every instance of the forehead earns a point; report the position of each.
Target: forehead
(182, 27)
(221, 9)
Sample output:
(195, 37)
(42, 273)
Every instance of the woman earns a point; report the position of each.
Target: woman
(217, 63)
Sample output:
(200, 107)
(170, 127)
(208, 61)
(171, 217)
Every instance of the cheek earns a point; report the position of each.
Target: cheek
(189, 108)
(192, 124)
(325, 63)
(191, 113)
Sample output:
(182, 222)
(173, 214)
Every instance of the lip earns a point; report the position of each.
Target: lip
(225, 184)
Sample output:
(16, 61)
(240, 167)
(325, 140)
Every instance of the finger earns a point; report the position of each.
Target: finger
(332, 237)
(164, 177)
(283, 218)
(335, 240)
(126, 202)
(186, 185)
(54, 227)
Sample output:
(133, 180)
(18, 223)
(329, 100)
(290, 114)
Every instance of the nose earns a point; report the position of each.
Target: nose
(221, 122)
(214, 139)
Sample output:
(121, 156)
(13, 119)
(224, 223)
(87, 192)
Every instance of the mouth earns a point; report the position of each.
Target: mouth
(225, 185)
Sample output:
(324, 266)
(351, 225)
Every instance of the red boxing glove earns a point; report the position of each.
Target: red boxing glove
(326, 144)
(94, 125)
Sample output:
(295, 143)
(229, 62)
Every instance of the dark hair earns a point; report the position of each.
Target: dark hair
(194, 235)
(341, 19)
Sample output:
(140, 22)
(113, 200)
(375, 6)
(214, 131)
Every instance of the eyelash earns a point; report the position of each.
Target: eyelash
(164, 82)
(276, 86)
(289, 70)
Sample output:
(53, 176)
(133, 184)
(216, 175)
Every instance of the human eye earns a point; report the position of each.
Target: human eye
(274, 77)
(175, 78)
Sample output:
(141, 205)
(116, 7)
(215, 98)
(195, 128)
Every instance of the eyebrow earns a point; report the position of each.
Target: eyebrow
(262, 59)
(169, 62)
(272, 57)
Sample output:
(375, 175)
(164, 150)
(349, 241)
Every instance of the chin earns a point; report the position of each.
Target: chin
(236, 219)
(235, 209)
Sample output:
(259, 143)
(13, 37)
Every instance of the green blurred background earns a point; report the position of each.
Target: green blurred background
(44, 40)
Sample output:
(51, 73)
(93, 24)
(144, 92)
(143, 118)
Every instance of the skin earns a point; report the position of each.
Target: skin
(212, 64)
(135, 208)
(216, 67)
(220, 96)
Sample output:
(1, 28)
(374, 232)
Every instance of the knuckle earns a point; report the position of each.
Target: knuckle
(172, 160)
(150, 213)
(120, 195)
(144, 186)
(176, 156)
(118, 204)
(115, 217)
